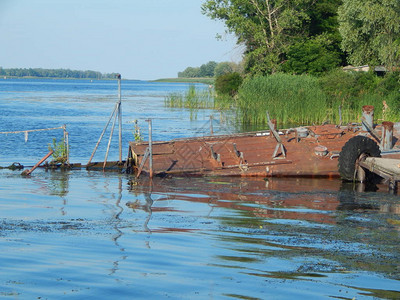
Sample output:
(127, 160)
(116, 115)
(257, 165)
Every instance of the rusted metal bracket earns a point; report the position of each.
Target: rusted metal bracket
(238, 154)
(373, 133)
(277, 138)
(145, 157)
(215, 155)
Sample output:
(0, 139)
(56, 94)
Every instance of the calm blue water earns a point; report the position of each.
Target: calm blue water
(95, 235)
(85, 107)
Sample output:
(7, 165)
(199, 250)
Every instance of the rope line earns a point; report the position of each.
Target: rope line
(31, 130)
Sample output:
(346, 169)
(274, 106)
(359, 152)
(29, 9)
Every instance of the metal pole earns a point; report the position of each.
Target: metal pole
(387, 135)
(66, 142)
(150, 149)
(211, 124)
(109, 142)
(368, 117)
(28, 172)
(119, 118)
(101, 136)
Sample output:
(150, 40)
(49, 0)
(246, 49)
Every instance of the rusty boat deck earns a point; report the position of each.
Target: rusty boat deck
(310, 151)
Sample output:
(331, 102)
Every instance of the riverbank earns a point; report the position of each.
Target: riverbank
(205, 80)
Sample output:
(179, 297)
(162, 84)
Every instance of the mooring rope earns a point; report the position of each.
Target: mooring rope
(26, 132)
(31, 130)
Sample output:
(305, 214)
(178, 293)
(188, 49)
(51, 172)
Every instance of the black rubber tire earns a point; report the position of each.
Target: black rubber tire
(352, 151)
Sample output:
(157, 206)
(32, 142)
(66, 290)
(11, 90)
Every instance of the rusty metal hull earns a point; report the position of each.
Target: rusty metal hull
(247, 154)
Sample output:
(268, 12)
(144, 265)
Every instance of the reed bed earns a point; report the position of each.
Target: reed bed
(306, 100)
(299, 99)
(195, 99)
(192, 99)
(287, 98)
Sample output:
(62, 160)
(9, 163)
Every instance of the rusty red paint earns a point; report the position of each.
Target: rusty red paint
(218, 155)
(368, 109)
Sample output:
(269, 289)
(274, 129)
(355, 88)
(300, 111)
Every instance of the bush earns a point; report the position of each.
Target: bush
(352, 90)
(390, 83)
(347, 87)
(313, 56)
(228, 84)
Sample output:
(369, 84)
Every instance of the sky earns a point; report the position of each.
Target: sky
(140, 39)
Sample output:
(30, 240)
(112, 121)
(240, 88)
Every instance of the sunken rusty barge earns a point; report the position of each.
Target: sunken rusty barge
(311, 151)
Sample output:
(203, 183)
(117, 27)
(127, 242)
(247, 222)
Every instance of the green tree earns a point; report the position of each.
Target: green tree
(228, 84)
(189, 72)
(313, 56)
(223, 68)
(323, 18)
(267, 28)
(207, 70)
(371, 31)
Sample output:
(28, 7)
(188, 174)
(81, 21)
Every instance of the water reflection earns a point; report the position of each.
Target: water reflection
(116, 224)
(146, 208)
(320, 220)
(240, 233)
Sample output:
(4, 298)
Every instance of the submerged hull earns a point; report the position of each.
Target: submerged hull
(310, 152)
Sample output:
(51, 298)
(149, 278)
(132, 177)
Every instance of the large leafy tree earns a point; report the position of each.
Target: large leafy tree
(270, 29)
(312, 56)
(266, 27)
(319, 51)
(371, 31)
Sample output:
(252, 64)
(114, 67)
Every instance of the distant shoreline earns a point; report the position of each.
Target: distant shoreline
(55, 78)
(177, 80)
(205, 80)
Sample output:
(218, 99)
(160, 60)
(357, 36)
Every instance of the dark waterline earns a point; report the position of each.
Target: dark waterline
(95, 235)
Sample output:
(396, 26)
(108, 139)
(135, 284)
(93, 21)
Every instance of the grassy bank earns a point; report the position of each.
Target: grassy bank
(303, 99)
(209, 81)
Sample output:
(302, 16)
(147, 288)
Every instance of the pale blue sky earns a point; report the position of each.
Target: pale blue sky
(141, 39)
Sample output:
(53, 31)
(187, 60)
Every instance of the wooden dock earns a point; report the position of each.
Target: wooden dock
(387, 168)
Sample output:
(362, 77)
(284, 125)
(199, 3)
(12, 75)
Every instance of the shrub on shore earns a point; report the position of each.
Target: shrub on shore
(228, 84)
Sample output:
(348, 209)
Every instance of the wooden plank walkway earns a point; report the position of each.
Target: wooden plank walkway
(387, 168)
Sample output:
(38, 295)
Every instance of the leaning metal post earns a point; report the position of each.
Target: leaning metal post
(109, 141)
(368, 117)
(66, 142)
(211, 125)
(150, 149)
(119, 118)
(387, 135)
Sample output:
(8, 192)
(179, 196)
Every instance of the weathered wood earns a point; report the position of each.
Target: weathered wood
(385, 167)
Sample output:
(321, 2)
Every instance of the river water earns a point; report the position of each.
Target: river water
(94, 235)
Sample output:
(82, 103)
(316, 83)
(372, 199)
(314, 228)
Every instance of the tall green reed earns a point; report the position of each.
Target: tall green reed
(192, 99)
(195, 99)
(287, 98)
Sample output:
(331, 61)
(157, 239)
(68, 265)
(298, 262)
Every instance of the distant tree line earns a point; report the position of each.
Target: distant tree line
(210, 69)
(54, 73)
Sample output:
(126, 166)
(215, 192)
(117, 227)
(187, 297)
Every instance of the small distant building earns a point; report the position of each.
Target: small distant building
(379, 70)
